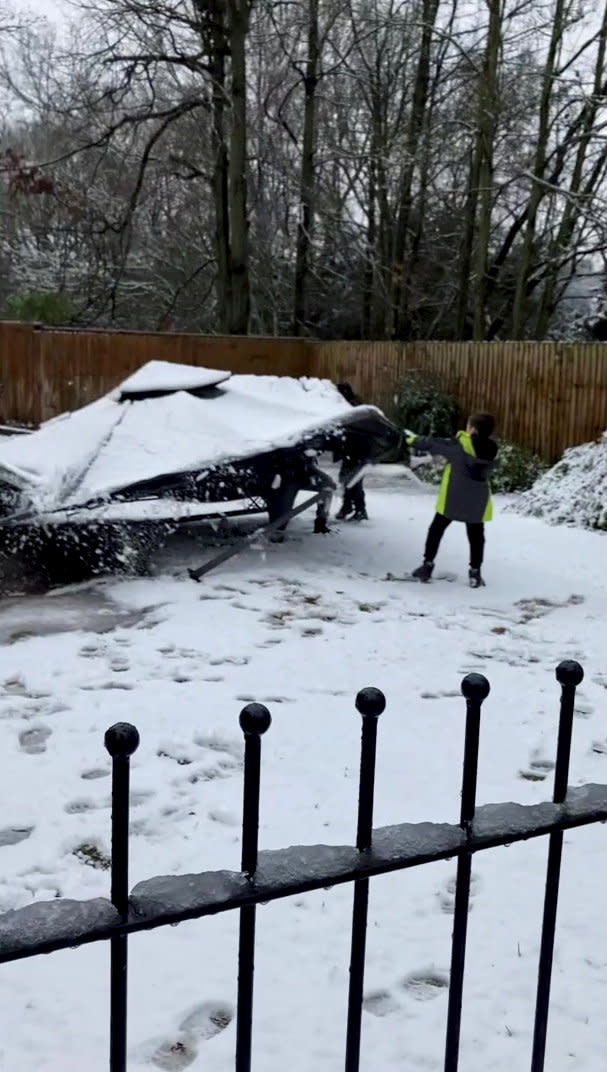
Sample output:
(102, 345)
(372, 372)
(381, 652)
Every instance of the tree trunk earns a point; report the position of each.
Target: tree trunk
(465, 266)
(237, 177)
(212, 29)
(369, 277)
(307, 180)
(538, 189)
(416, 122)
(487, 122)
(578, 193)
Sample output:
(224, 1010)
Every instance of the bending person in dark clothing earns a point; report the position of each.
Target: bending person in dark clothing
(292, 471)
(465, 494)
(353, 456)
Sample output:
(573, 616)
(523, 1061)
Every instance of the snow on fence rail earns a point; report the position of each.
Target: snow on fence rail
(547, 396)
(45, 927)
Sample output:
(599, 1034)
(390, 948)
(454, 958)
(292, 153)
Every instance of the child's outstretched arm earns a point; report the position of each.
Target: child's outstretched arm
(446, 448)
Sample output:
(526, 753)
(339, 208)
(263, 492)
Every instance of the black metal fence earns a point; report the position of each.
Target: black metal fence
(43, 928)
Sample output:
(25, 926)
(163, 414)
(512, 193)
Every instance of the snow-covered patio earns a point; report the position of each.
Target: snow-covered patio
(302, 627)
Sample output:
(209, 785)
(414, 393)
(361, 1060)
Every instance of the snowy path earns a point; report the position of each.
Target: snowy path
(301, 629)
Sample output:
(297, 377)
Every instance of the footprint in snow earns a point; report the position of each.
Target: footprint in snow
(246, 698)
(91, 651)
(238, 605)
(233, 660)
(442, 694)
(229, 588)
(180, 754)
(582, 709)
(422, 985)
(125, 686)
(12, 835)
(446, 896)
(119, 663)
(208, 773)
(15, 685)
(380, 1003)
(170, 651)
(220, 744)
(33, 710)
(539, 767)
(202, 1023)
(95, 772)
(85, 804)
(33, 741)
(425, 985)
(222, 760)
(82, 805)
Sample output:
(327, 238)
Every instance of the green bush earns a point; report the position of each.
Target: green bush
(42, 307)
(516, 468)
(424, 406)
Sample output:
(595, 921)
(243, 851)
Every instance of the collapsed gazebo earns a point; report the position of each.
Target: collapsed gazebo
(91, 491)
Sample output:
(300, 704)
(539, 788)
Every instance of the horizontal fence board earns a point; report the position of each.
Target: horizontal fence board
(546, 396)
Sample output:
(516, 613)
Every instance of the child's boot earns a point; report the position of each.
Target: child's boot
(475, 579)
(423, 572)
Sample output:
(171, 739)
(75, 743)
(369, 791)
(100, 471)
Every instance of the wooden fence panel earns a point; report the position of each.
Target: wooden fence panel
(19, 374)
(546, 396)
(46, 371)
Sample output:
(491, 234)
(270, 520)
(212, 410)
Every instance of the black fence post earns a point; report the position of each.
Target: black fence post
(121, 740)
(255, 719)
(475, 688)
(569, 674)
(370, 703)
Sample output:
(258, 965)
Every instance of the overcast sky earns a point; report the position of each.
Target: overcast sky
(52, 9)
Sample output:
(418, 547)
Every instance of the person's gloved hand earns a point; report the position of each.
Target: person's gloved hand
(410, 437)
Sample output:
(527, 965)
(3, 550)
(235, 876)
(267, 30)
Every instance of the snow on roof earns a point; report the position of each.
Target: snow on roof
(110, 445)
(54, 457)
(180, 433)
(574, 491)
(167, 376)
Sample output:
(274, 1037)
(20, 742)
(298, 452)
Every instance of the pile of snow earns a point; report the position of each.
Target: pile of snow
(574, 491)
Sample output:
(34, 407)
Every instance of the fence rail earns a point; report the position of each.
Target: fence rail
(267, 876)
(546, 396)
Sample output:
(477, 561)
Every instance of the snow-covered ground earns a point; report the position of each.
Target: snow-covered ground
(301, 627)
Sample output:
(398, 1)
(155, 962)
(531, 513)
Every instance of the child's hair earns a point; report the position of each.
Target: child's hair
(483, 424)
